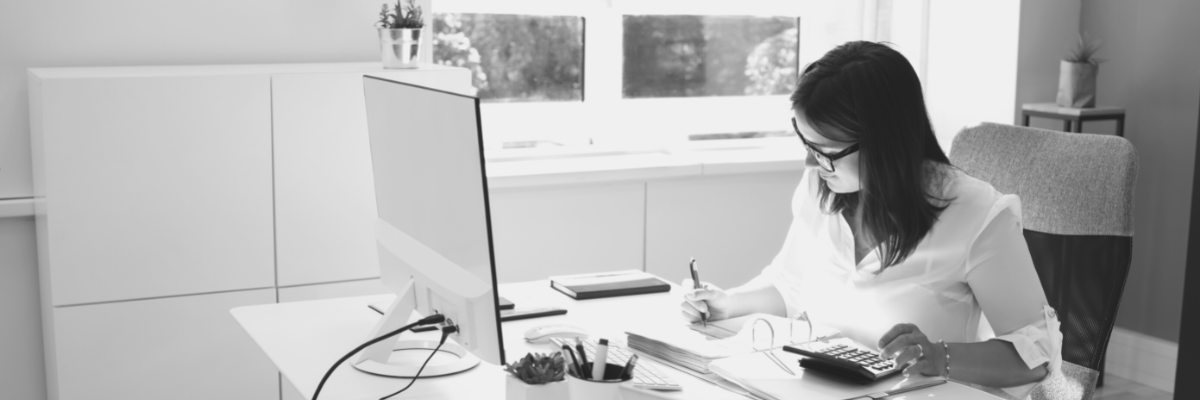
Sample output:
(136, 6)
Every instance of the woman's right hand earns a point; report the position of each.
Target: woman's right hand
(709, 299)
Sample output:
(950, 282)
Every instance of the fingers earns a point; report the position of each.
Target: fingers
(910, 354)
(893, 349)
(899, 329)
(690, 313)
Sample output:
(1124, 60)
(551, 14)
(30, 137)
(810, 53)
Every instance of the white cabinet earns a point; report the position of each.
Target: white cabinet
(733, 224)
(319, 292)
(324, 193)
(186, 347)
(539, 232)
(167, 195)
(152, 185)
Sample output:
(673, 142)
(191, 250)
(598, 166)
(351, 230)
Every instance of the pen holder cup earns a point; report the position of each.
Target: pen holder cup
(607, 389)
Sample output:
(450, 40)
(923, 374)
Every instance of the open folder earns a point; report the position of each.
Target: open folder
(758, 374)
(697, 346)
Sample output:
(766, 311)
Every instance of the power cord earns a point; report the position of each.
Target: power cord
(446, 331)
(432, 319)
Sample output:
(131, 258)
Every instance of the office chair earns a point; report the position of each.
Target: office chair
(1077, 210)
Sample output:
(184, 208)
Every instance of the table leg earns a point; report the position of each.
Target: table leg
(1024, 119)
(1066, 125)
(1121, 126)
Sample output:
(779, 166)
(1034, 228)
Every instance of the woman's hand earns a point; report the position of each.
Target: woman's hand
(905, 344)
(709, 299)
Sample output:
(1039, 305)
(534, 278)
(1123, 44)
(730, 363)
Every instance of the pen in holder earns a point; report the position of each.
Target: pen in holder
(607, 389)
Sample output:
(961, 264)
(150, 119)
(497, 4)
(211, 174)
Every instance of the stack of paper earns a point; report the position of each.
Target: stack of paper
(699, 346)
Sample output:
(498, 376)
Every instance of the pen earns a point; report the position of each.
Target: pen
(696, 285)
(583, 362)
(600, 364)
(574, 365)
(627, 373)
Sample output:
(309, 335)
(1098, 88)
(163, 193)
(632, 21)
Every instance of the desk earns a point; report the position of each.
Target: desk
(1071, 115)
(302, 339)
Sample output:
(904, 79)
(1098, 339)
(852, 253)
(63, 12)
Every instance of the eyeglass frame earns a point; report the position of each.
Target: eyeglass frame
(827, 165)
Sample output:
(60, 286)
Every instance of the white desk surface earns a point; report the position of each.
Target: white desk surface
(303, 339)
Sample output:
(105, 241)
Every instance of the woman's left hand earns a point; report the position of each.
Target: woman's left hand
(905, 344)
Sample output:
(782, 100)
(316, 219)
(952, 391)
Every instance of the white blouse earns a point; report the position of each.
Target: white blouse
(973, 263)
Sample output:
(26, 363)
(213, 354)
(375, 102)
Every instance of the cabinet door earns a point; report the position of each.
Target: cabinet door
(324, 192)
(156, 186)
(185, 347)
(539, 232)
(320, 292)
(733, 224)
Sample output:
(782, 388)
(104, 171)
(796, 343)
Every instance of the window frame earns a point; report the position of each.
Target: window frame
(606, 120)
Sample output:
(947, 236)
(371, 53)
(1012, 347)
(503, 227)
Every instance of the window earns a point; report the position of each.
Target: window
(636, 74)
(514, 58)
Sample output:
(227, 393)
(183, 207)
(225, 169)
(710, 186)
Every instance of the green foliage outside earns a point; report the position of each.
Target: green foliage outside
(514, 57)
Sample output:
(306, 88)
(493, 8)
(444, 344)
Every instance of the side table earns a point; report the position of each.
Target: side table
(1074, 117)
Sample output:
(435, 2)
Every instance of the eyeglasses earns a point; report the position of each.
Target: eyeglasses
(824, 160)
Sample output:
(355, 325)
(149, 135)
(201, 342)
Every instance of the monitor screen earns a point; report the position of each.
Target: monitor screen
(430, 184)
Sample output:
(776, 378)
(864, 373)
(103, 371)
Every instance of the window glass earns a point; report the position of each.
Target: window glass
(514, 58)
(696, 56)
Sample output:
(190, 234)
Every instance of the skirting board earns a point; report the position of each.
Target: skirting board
(1142, 358)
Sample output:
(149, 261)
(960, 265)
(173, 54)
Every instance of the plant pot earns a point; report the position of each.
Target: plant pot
(400, 48)
(1077, 85)
(517, 389)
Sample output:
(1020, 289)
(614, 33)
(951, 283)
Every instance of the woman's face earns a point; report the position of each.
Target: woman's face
(831, 140)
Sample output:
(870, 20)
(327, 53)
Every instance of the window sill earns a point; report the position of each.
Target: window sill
(530, 169)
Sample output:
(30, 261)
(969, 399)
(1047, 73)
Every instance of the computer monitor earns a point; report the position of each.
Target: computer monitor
(433, 232)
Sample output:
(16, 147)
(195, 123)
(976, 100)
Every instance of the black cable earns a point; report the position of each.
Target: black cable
(446, 331)
(432, 319)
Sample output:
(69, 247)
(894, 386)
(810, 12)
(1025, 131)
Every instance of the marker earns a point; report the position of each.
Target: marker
(627, 373)
(696, 285)
(600, 364)
(584, 370)
(574, 365)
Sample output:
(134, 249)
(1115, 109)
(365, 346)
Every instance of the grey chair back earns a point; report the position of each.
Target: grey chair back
(1076, 195)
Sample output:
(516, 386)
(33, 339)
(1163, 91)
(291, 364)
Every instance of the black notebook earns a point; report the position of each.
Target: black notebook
(608, 284)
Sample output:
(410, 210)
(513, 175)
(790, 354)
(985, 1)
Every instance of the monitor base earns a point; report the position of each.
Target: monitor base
(465, 361)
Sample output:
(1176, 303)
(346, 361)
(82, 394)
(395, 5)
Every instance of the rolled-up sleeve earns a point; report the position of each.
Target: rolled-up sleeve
(1001, 274)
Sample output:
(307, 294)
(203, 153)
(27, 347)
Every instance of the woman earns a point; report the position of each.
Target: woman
(892, 245)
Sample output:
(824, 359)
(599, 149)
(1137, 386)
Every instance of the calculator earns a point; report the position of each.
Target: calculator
(843, 359)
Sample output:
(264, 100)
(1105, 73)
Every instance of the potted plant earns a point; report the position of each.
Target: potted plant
(400, 34)
(537, 377)
(1077, 75)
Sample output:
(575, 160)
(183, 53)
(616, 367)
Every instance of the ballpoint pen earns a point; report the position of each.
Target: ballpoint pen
(696, 285)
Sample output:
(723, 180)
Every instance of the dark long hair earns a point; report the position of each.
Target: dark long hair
(871, 92)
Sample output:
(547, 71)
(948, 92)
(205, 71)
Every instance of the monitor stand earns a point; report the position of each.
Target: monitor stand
(374, 359)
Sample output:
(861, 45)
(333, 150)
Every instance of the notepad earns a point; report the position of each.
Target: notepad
(608, 284)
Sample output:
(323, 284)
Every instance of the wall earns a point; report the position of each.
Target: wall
(22, 368)
(1046, 31)
(1153, 70)
(133, 32)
